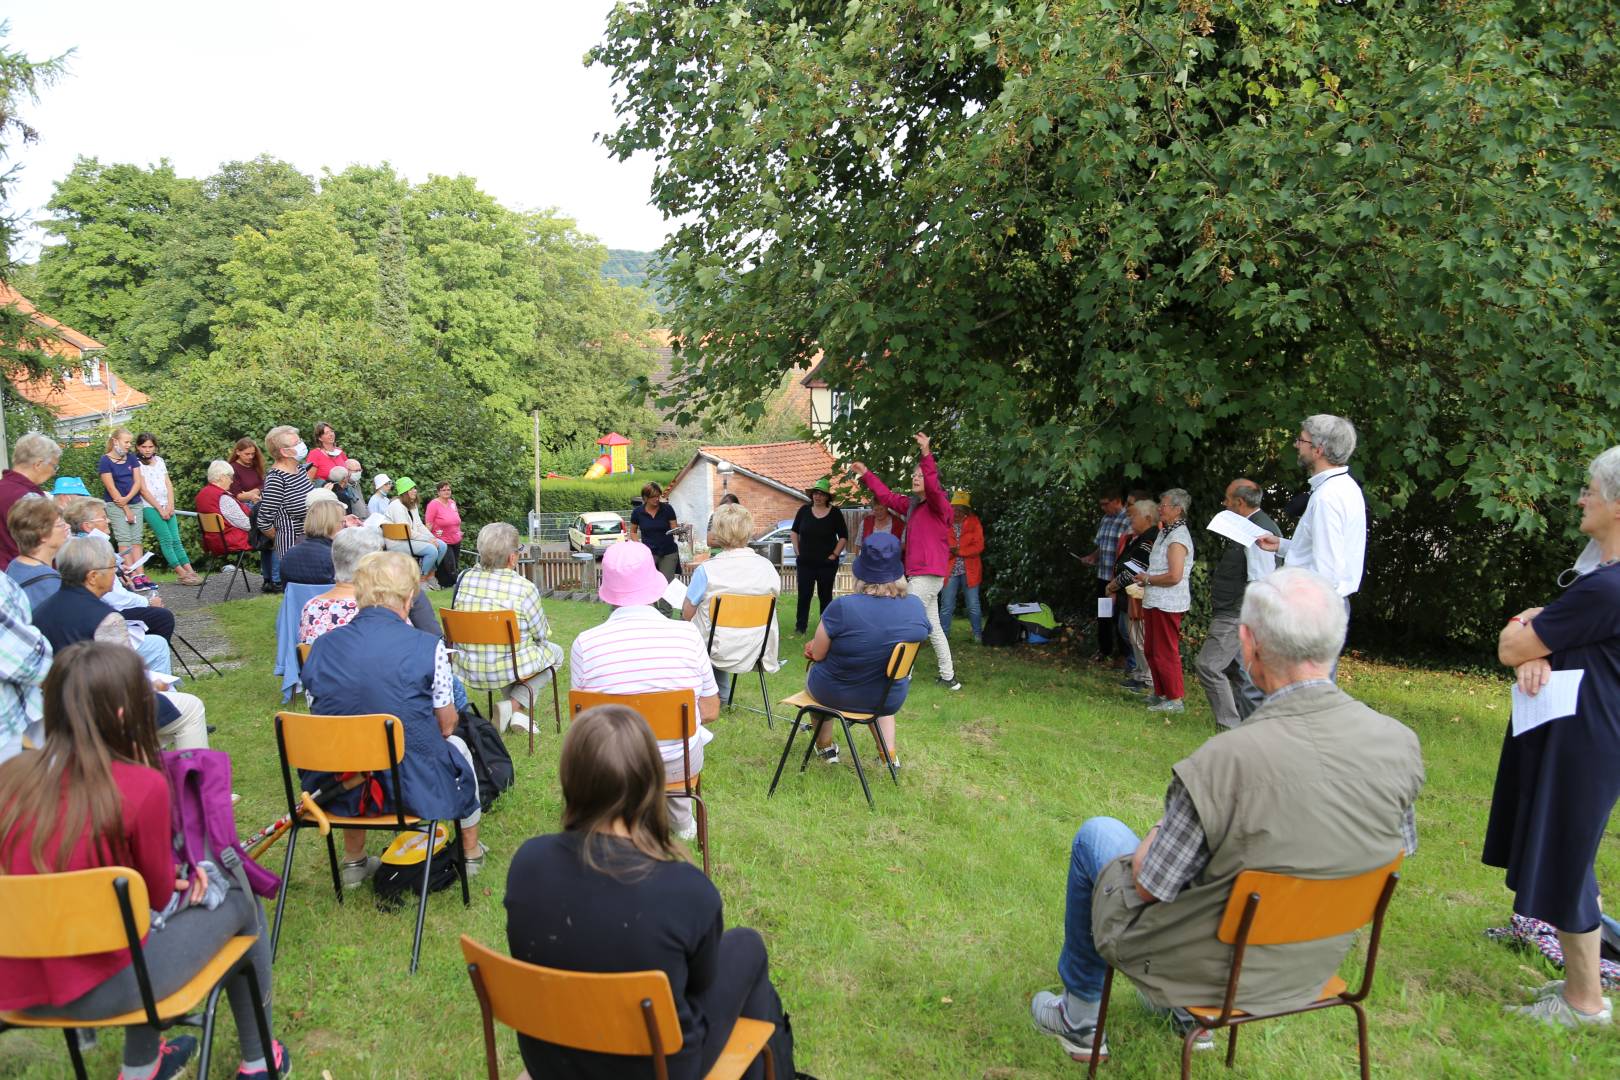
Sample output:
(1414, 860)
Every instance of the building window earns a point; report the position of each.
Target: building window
(843, 406)
(92, 372)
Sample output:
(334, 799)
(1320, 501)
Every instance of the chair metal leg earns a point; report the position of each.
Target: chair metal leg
(461, 867)
(196, 650)
(74, 1053)
(793, 733)
(822, 719)
(856, 757)
(261, 1020)
(281, 893)
(180, 657)
(765, 695)
(337, 877)
(702, 810)
(1231, 1044)
(421, 900)
(1361, 1039)
(1099, 1034)
(534, 721)
(888, 758)
(556, 702)
(210, 1011)
(731, 693)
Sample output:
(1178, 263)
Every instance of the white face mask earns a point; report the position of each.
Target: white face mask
(301, 450)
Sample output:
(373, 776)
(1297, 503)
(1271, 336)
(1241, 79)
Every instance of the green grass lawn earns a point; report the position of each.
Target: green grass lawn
(906, 942)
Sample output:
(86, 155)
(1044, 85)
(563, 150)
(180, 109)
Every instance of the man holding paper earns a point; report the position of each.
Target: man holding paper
(1232, 697)
(1332, 535)
(1559, 774)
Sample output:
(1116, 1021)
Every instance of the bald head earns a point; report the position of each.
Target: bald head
(1242, 496)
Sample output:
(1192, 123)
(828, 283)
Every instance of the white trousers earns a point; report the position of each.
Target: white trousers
(926, 587)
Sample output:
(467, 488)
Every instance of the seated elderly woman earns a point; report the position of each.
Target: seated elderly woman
(39, 532)
(405, 510)
(216, 498)
(380, 663)
(495, 585)
(733, 570)
(856, 635)
(309, 562)
(337, 605)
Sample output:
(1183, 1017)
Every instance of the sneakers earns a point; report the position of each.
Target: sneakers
(1052, 1017)
(520, 722)
(283, 1063)
(1554, 1009)
(1168, 705)
(173, 1056)
(829, 754)
(952, 683)
(475, 863)
(356, 874)
(687, 832)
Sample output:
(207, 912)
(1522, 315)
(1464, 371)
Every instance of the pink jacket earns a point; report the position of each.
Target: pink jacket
(444, 521)
(928, 527)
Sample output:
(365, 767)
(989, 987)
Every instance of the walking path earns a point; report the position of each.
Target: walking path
(195, 623)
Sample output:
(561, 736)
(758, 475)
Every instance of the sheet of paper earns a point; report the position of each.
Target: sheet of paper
(1023, 609)
(1555, 700)
(1135, 567)
(161, 681)
(675, 592)
(1235, 527)
(139, 562)
(1105, 607)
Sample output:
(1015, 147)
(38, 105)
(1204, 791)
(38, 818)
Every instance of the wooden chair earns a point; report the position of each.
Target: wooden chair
(497, 628)
(745, 613)
(360, 744)
(631, 1013)
(669, 714)
(212, 525)
(901, 659)
(402, 534)
(83, 912)
(1277, 909)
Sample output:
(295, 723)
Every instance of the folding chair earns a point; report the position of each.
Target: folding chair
(497, 628)
(84, 912)
(901, 659)
(1278, 909)
(402, 533)
(631, 1014)
(363, 744)
(178, 636)
(214, 525)
(745, 613)
(669, 714)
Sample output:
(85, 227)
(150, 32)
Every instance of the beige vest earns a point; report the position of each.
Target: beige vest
(739, 572)
(1314, 785)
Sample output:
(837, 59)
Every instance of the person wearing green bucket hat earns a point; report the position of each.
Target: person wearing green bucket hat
(820, 536)
(405, 509)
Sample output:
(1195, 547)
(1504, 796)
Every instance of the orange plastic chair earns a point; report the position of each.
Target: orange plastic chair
(351, 744)
(669, 714)
(745, 613)
(496, 628)
(83, 912)
(393, 530)
(1278, 909)
(901, 659)
(631, 1014)
(214, 524)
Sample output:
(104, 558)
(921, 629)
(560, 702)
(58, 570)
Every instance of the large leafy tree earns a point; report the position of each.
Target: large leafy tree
(304, 268)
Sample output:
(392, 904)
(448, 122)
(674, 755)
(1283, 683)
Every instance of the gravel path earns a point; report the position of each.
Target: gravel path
(195, 623)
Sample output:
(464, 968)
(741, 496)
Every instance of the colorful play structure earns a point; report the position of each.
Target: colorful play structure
(615, 458)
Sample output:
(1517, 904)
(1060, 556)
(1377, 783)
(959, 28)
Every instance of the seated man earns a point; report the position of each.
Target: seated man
(309, 562)
(25, 659)
(379, 663)
(637, 650)
(495, 585)
(77, 612)
(1315, 784)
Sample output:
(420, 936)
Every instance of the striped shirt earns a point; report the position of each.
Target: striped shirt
(637, 651)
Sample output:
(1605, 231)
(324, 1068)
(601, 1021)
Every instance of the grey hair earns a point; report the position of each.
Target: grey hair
(1146, 507)
(1605, 473)
(1178, 498)
(497, 542)
(220, 472)
(338, 474)
(349, 546)
(1296, 616)
(1248, 494)
(79, 558)
(1333, 435)
(36, 449)
(280, 431)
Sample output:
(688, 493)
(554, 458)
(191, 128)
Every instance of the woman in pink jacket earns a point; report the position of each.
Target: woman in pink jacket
(444, 521)
(928, 538)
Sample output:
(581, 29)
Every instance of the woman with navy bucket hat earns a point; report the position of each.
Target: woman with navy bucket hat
(856, 635)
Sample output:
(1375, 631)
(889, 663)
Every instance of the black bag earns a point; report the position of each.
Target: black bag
(491, 762)
(1001, 627)
(399, 878)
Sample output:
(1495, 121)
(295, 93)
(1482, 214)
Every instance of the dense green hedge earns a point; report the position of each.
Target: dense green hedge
(572, 495)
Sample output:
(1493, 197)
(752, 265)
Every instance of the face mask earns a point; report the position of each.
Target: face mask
(1589, 560)
(301, 450)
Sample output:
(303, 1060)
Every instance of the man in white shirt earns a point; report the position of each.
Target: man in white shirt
(638, 650)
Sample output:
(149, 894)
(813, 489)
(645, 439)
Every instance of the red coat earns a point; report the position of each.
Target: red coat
(236, 539)
(970, 548)
(897, 526)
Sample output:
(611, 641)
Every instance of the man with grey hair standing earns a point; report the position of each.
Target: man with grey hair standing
(33, 463)
(1232, 697)
(1315, 784)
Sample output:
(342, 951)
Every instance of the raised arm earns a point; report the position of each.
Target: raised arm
(897, 504)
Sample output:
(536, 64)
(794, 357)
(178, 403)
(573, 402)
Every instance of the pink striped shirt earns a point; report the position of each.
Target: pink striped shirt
(636, 651)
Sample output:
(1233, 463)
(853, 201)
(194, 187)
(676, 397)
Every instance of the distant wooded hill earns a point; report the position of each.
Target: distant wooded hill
(634, 268)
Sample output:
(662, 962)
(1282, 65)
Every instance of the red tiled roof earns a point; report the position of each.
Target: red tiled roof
(72, 398)
(797, 465)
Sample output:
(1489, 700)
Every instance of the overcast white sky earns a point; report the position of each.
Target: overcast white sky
(494, 90)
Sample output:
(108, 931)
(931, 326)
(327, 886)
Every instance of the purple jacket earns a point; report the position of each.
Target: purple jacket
(928, 526)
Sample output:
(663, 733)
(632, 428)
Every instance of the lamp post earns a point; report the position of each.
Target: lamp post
(725, 469)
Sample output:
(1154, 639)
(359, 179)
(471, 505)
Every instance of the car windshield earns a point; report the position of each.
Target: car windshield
(606, 528)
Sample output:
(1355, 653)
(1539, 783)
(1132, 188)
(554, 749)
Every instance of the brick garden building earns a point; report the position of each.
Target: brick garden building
(769, 478)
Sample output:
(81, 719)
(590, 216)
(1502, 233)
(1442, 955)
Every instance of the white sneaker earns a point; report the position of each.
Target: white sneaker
(688, 831)
(1555, 1010)
(503, 716)
(520, 722)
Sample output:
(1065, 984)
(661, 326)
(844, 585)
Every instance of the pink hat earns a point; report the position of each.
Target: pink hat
(629, 575)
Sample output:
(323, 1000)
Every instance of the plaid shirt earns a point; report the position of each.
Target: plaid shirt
(25, 657)
(1109, 531)
(1181, 850)
(489, 667)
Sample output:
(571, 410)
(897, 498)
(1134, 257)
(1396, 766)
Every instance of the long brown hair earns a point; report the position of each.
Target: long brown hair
(99, 708)
(611, 770)
(244, 443)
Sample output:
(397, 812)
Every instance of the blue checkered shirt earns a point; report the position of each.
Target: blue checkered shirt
(25, 657)
(1109, 531)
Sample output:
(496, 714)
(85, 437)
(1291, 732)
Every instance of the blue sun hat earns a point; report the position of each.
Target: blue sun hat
(70, 485)
(879, 561)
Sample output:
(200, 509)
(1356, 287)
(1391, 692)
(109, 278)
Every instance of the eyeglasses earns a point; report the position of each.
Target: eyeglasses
(111, 566)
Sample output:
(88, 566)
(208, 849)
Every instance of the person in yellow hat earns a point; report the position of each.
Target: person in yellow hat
(966, 570)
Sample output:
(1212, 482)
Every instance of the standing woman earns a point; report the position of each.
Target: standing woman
(444, 522)
(819, 538)
(159, 510)
(653, 523)
(327, 454)
(1557, 784)
(122, 479)
(285, 499)
(1167, 599)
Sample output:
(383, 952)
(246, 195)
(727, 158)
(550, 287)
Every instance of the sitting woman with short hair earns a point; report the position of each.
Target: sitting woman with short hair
(216, 498)
(379, 663)
(495, 585)
(734, 569)
(337, 605)
(94, 796)
(309, 562)
(39, 531)
(855, 638)
(613, 892)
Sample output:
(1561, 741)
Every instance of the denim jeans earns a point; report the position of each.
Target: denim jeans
(1099, 842)
(947, 603)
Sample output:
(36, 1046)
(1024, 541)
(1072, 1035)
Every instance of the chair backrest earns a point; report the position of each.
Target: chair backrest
(1292, 909)
(74, 913)
(902, 658)
(667, 712)
(392, 530)
(741, 612)
(480, 627)
(581, 1010)
(303, 653)
(211, 523)
(371, 743)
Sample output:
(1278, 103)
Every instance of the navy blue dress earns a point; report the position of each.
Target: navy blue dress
(1556, 785)
(654, 528)
(864, 630)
